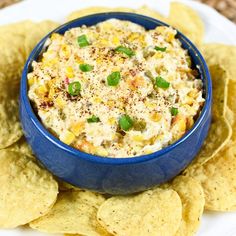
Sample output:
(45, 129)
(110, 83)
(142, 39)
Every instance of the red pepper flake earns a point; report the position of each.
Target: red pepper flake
(67, 81)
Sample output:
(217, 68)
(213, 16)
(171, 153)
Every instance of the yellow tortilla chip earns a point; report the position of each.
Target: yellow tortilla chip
(154, 212)
(220, 130)
(181, 16)
(63, 186)
(145, 10)
(10, 129)
(192, 197)
(187, 21)
(27, 190)
(21, 146)
(17, 28)
(16, 42)
(12, 59)
(223, 55)
(220, 80)
(232, 106)
(40, 30)
(218, 179)
(95, 10)
(74, 212)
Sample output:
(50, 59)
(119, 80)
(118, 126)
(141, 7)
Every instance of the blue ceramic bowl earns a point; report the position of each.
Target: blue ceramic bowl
(114, 175)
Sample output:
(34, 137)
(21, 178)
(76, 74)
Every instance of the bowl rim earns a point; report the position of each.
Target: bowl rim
(114, 160)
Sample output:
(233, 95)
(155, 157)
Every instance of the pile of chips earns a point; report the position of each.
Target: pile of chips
(30, 195)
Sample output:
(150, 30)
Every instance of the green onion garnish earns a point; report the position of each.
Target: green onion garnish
(174, 111)
(82, 41)
(85, 67)
(74, 88)
(160, 49)
(113, 79)
(125, 122)
(162, 83)
(93, 119)
(125, 50)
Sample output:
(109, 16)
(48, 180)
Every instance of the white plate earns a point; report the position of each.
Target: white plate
(218, 29)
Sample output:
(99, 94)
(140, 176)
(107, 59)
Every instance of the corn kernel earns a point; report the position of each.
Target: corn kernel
(189, 100)
(79, 60)
(51, 92)
(106, 26)
(155, 116)
(180, 123)
(56, 36)
(148, 151)
(115, 68)
(138, 138)
(150, 105)
(170, 37)
(65, 51)
(111, 120)
(111, 103)
(97, 100)
(104, 42)
(190, 122)
(101, 151)
(69, 72)
(32, 81)
(158, 55)
(115, 41)
(99, 60)
(77, 128)
(59, 102)
(67, 137)
(42, 89)
(193, 93)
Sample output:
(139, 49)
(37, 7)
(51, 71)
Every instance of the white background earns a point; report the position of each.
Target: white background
(218, 29)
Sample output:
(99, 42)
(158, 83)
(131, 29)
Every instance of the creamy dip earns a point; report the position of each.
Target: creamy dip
(115, 89)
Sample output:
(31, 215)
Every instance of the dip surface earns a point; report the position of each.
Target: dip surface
(115, 89)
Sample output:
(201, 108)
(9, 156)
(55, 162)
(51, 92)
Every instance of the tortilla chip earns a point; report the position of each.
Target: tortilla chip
(16, 42)
(21, 146)
(17, 28)
(10, 129)
(74, 212)
(94, 10)
(218, 179)
(186, 20)
(192, 197)
(12, 60)
(63, 186)
(220, 130)
(154, 212)
(220, 80)
(223, 55)
(27, 191)
(145, 10)
(37, 33)
(232, 106)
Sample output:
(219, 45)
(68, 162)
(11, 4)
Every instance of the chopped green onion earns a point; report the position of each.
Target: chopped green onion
(174, 111)
(128, 51)
(85, 67)
(113, 79)
(125, 122)
(93, 119)
(160, 49)
(82, 41)
(162, 83)
(74, 88)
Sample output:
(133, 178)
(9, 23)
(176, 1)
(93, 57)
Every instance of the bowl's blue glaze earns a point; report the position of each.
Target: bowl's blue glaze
(114, 175)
